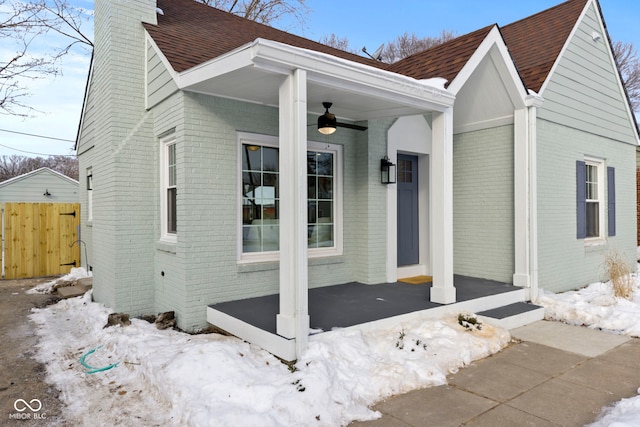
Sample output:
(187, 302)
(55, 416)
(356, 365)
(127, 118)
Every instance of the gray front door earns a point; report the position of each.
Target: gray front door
(407, 182)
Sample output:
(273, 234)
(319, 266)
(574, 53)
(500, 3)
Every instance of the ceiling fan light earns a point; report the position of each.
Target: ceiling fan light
(327, 122)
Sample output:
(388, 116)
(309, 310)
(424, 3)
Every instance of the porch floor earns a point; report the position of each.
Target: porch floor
(350, 304)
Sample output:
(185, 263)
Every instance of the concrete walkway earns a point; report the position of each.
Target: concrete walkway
(558, 375)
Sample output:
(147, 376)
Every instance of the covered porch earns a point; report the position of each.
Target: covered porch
(359, 306)
(297, 82)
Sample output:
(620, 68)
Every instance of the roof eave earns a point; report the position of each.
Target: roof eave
(279, 58)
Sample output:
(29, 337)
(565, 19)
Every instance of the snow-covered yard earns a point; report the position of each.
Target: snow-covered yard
(165, 377)
(172, 378)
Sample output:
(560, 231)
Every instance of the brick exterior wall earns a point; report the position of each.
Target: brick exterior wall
(564, 261)
(483, 213)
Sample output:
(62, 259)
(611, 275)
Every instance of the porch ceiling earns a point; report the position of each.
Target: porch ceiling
(255, 72)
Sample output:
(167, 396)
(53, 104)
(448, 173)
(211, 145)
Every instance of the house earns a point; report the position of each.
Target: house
(207, 182)
(43, 185)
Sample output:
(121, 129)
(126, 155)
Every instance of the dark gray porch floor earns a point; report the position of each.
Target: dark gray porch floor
(354, 303)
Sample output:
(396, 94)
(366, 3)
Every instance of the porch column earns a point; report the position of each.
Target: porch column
(293, 318)
(442, 291)
(521, 189)
(525, 193)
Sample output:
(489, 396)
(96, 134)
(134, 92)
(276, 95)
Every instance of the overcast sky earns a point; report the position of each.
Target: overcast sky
(363, 23)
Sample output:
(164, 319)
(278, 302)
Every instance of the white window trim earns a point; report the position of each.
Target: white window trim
(89, 194)
(272, 256)
(601, 170)
(165, 142)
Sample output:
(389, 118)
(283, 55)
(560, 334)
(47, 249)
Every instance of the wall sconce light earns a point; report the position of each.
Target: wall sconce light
(327, 122)
(46, 193)
(387, 171)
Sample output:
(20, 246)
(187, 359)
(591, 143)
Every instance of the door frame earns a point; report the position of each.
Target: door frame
(408, 241)
(409, 135)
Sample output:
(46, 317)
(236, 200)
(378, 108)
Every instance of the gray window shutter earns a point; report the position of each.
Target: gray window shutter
(581, 199)
(611, 199)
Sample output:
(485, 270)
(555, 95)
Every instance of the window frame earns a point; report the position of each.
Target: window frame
(165, 143)
(600, 171)
(338, 183)
(89, 194)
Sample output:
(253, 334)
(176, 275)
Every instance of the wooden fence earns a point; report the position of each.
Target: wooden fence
(40, 239)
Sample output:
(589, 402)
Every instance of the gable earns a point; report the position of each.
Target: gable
(584, 90)
(31, 187)
(484, 100)
(159, 82)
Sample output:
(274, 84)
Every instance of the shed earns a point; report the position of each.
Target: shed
(42, 185)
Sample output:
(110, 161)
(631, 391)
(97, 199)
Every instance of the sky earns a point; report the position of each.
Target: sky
(58, 101)
(166, 377)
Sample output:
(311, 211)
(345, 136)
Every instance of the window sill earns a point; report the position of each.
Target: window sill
(249, 265)
(595, 243)
(166, 246)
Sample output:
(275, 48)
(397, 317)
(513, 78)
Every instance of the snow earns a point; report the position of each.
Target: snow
(173, 378)
(48, 287)
(595, 306)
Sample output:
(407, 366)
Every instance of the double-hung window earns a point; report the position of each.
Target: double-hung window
(169, 189)
(593, 199)
(260, 198)
(592, 180)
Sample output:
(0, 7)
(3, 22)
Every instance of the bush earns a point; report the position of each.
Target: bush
(619, 272)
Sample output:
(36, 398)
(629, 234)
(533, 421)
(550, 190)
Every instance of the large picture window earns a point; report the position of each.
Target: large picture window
(260, 198)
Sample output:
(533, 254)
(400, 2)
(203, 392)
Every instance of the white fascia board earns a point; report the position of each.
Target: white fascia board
(227, 63)
(322, 68)
(565, 47)
(503, 61)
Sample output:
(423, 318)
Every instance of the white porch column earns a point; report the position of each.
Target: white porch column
(442, 291)
(525, 193)
(521, 208)
(293, 318)
(533, 102)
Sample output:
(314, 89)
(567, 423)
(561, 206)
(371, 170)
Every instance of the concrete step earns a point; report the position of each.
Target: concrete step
(513, 315)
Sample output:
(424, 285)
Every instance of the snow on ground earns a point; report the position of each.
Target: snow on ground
(48, 287)
(172, 378)
(595, 306)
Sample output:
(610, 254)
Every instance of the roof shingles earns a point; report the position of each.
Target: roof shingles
(190, 33)
(535, 42)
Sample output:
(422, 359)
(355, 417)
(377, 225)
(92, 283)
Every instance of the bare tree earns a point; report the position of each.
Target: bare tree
(12, 166)
(263, 11)
(341, 43)
(406, 45)
(629, 66)
(23, 26)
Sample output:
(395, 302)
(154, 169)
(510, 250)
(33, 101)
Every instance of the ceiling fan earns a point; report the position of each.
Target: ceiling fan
(327, 122)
